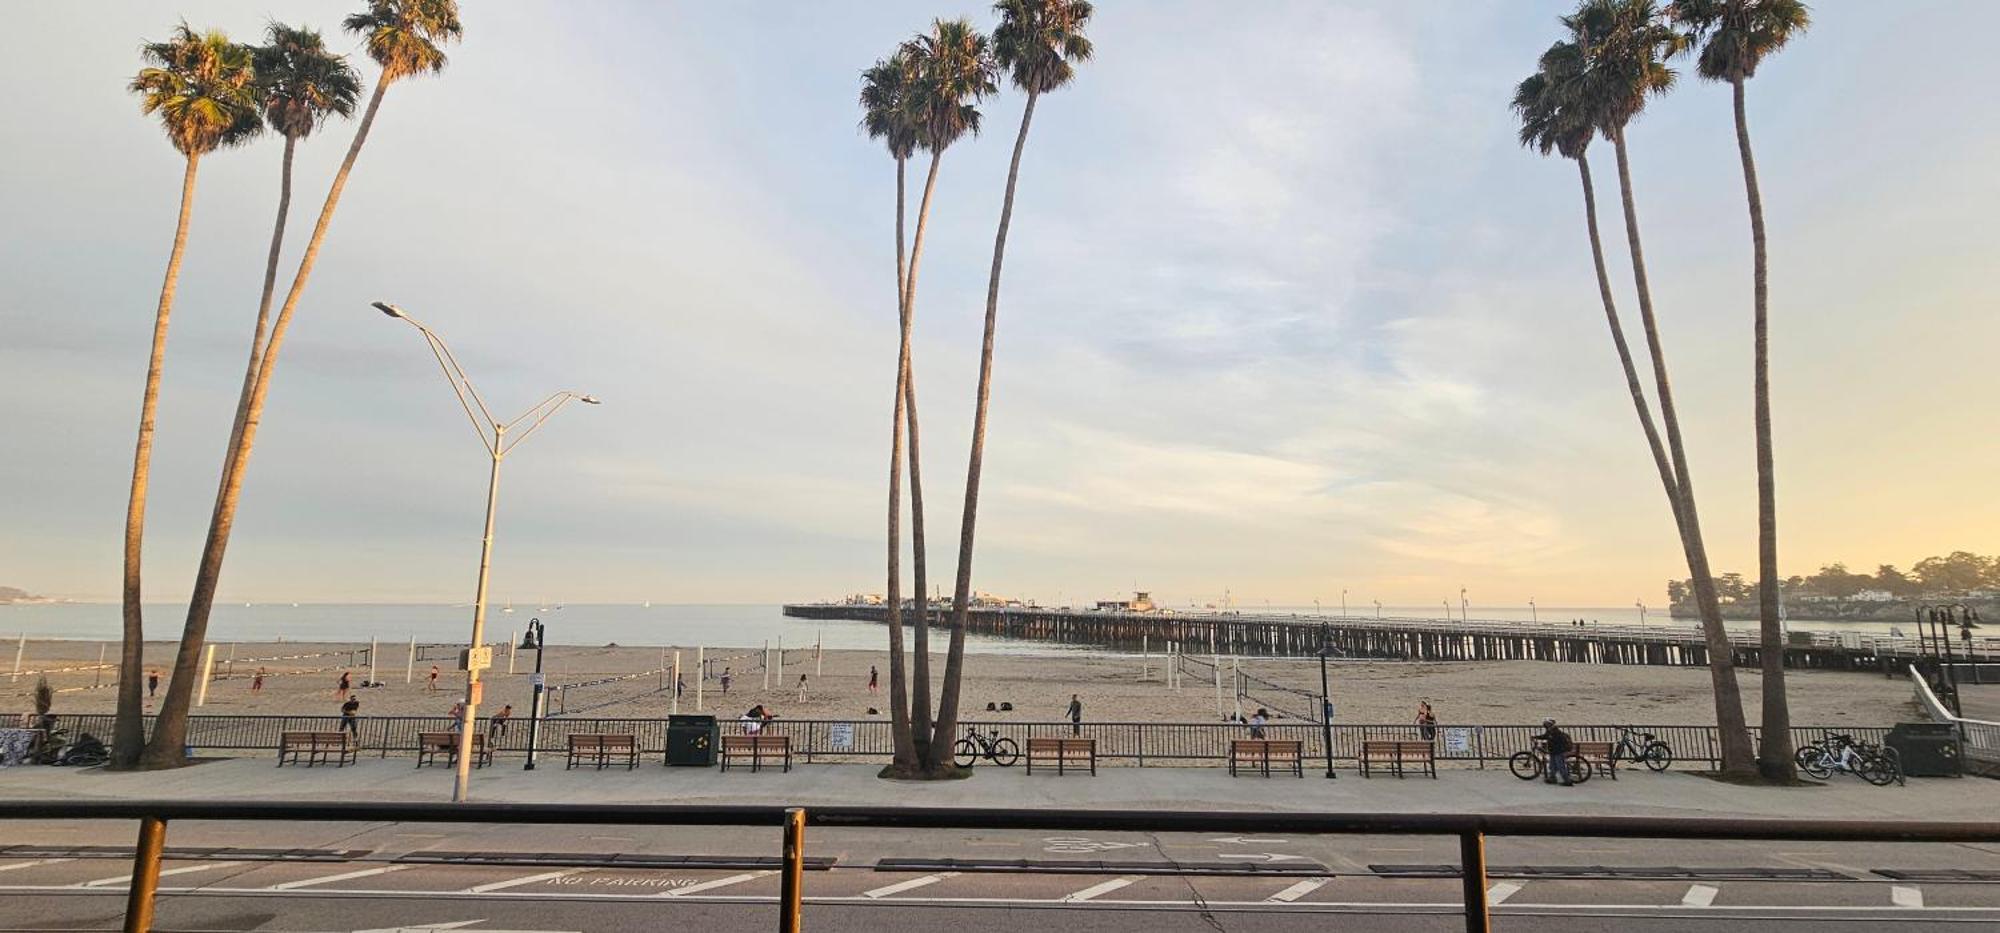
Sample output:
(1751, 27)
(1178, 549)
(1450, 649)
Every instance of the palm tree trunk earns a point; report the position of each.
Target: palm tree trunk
(128, 733)
(165, 749)
(263, 315)
(961, 595)
(1667, 478)
(1732, 730)
(920, 666)
(1775, 751)
(899, 699)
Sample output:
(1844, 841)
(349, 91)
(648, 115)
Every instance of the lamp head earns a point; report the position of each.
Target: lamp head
(388, 309)
(589, 400)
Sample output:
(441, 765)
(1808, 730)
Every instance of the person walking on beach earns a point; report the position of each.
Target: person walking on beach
(498, 727)
(1556, 745)
(432, 685)
(257, 682)
(802, 688)
(680, 686)
(874, 680)
(346, 684)
(725, 680)
(152, 683)
(1075, 714)
(349, 722)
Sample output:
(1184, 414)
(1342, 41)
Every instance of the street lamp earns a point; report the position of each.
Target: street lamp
(1534, 615)
(1325, 705)
(1343, 603)
(1642, 611)
(1461, 604)
(536, 637)
(493, 435)
(1378, 610)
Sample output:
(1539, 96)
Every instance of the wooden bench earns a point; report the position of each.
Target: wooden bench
(601, 748)
(1598, 754)
(432, 744)
(312, 748)
(1259, 754)
(1396, 753)
(1063, 751)
(758, 748)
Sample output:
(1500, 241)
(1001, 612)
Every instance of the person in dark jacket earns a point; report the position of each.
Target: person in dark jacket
(1075, 714)
(1556, 745)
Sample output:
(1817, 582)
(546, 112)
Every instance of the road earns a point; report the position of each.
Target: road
(346, 877)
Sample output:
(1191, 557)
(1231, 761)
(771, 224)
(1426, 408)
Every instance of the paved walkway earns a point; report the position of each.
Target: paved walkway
(1492, 790)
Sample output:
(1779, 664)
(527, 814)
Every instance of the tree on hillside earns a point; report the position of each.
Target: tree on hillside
(1038, 42)
(403, 37)
(202, 87)
(1735, 37)
(1956, 573)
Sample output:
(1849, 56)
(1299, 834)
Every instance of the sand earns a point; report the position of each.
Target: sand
(301, 679)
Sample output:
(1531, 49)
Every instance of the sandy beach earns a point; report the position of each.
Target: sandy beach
(301, 677)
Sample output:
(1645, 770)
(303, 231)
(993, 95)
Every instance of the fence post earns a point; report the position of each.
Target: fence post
(1472, 878)
(145, 874)
(790, 885)
(701, 676)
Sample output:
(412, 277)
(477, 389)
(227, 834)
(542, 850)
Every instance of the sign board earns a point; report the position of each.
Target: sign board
(841, 736)
(536, 681)
(476, 659)
(478, 692)
(1457, 740)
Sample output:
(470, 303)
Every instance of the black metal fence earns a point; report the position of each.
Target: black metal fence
(1137, 743)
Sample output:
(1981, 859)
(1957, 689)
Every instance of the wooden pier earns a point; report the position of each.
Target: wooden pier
(1679, 645)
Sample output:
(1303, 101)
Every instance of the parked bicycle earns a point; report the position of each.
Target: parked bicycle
(1533, 763)
(991, 746)
(1641, 748)
(1840, 752)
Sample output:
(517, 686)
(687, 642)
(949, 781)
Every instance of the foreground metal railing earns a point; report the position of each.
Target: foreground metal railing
(1470, 829)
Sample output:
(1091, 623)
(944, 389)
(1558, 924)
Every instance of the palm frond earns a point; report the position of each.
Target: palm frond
(954, 69)
(1040, 41)
(203, 89)
(403, 36)
(302, 83)
(1737, 35)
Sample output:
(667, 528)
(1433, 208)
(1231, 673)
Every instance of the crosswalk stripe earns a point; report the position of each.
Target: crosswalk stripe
(717, 883)
(1101, 888)
(329, 879)
(1699, 895)
(1299, 890)
(31, 864)
(524, 879)
(1906, 896)
(184, 870)
(1499, 893)
(901, 886)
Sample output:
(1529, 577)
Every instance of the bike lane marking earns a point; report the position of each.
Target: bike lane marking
(524, 879)
(1099, 889)
(1299, 890)
(183, 870)
(31, 864)
(912, 884)
(717, 883)
(343, 876)
(1699, 895)
(1499, 893)
(1906, 896)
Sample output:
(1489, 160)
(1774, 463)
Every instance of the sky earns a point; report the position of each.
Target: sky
(1287, 311)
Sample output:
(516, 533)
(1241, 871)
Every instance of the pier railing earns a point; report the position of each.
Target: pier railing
(833, 740)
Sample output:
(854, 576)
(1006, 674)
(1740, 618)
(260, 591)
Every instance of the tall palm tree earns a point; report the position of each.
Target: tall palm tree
(403, 37)
(886, 90)
(1735, 36)
(954, 69)
(1626, 44)
(203, 89)
(1038, 42)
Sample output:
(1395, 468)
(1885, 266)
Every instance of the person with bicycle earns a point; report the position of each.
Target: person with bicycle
(1556, 745)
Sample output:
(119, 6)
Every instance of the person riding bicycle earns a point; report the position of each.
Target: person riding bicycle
(1557, 745)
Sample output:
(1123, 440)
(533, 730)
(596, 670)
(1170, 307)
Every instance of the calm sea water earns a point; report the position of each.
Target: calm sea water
(629, 624)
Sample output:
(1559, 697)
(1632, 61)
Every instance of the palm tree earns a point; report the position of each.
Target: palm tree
(1735, 36)
(1625, 45)
(403, 37)
(885, 94)
(1038, 42)
(202, 87)
(953, 67)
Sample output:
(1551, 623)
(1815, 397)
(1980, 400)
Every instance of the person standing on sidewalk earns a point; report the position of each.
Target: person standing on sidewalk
(350, 712)
(1556, 745)
(1075, 714)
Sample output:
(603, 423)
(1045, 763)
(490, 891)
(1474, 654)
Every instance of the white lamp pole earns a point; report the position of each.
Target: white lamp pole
(497, 447)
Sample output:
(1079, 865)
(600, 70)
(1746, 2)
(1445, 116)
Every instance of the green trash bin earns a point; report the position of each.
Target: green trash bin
(1927, 749)
(692, 740)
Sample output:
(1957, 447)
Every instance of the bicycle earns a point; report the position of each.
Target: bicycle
(1533, 763)
(1642, 748)
(991, 746)
(1840, 752)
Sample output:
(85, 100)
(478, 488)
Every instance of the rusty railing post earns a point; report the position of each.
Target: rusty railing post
(793, 881)
(1472, 875)
(145, 874)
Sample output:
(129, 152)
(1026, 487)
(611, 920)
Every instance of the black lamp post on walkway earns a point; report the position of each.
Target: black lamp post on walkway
(535, 637)
(1325, 704)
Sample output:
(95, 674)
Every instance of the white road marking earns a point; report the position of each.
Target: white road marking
(1906, 896)
(344, 876)
(1499, 893)
(39, 861)
(1699, 895)
(1299, 890)
(717, 883)
(524, 879)
(184, 870)
(1101, 888)
(912, 884)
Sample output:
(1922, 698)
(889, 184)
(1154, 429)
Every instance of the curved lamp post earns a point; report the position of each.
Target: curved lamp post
(493, 434)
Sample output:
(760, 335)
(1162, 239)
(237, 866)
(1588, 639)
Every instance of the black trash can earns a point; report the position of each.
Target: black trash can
(1928, 749)
(691, 740)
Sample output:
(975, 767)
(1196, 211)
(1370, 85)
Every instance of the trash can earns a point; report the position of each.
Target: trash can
(691, 740)
(1928, 749)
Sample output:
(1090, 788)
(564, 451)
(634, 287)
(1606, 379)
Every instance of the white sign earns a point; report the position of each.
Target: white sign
(1457, 740)
(535, 679)
(476, 659)
(841, 736)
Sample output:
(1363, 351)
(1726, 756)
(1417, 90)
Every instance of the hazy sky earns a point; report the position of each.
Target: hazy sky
(1287, 311)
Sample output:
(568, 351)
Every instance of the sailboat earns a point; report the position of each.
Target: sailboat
(509, 607)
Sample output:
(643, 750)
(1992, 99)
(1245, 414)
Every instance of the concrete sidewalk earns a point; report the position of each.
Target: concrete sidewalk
(1492, 790)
